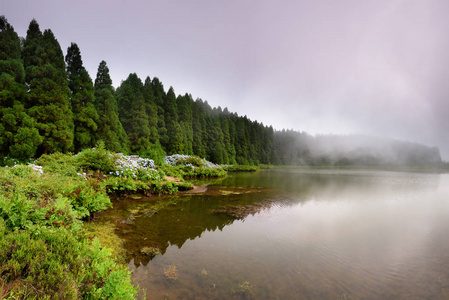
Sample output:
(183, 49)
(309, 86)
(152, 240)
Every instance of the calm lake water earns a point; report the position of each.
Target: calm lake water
(294, 234)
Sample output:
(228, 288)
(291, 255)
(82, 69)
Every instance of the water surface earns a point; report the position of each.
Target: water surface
(294, 234)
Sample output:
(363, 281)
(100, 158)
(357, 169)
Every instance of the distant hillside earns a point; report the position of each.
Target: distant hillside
(297, 148)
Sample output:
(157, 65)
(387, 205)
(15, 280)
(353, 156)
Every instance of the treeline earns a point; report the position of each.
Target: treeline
(49, 103)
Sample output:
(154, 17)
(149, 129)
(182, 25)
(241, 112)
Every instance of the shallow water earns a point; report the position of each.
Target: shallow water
(310, 234)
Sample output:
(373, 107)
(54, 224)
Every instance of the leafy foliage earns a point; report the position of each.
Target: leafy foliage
(44, 254)
(96, 159)
(58, 163)
(59, 264)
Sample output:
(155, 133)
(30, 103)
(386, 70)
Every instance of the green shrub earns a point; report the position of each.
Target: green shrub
(43, 253)
(203, 172)
(183, 171)
(28, 198)
(88, 196)
(10, 162)
(155, 152)
(120, 184)
(60, 264)
(63, 164)
(164, 188)
(96, 159)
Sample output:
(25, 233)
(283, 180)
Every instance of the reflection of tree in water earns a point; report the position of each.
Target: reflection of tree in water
(172, 221)
(306, 183)
(160, 222)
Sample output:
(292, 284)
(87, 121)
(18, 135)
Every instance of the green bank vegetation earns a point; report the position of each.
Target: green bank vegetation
(45, 253)
(47, 250)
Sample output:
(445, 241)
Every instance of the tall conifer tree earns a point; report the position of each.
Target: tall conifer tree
(110, 129)
(85, 115)
(175, 143)
(159, 95)
(185, 121)
(151, 109)
(18, 136)
(48, 98)
(132, 113)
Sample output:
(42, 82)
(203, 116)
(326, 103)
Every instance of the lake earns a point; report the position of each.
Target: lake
(293, 234)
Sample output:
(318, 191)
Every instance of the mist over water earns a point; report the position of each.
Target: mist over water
(342, 150)
(325, 234)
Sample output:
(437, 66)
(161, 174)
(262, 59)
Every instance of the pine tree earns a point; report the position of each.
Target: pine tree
(151, 109)
(85, 116)
(48, 97)
(159, 95)
(185, 121)
(229, 149)
(198, 128)
(132, 113)
(175, 133)
(110, 129)
(18, 136)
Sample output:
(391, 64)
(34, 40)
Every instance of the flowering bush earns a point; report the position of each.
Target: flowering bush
(8, 161)
(140, 168)
(145, 163)
(188, 160)
(36, 168)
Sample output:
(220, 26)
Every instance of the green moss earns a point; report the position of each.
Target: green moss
(105, 232)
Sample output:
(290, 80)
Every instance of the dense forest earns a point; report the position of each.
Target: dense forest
(49, 103)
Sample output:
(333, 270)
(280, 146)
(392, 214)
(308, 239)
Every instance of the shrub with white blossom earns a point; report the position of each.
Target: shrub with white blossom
(145, 163)
(142, 168)
(36, 168)
(188, 160)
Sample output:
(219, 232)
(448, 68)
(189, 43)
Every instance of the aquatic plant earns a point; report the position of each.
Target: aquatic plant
(171, 272)
(105, 232)
(150, 251)
(245, 290)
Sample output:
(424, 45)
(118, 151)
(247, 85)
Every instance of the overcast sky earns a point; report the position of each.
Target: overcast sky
(321, 66)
